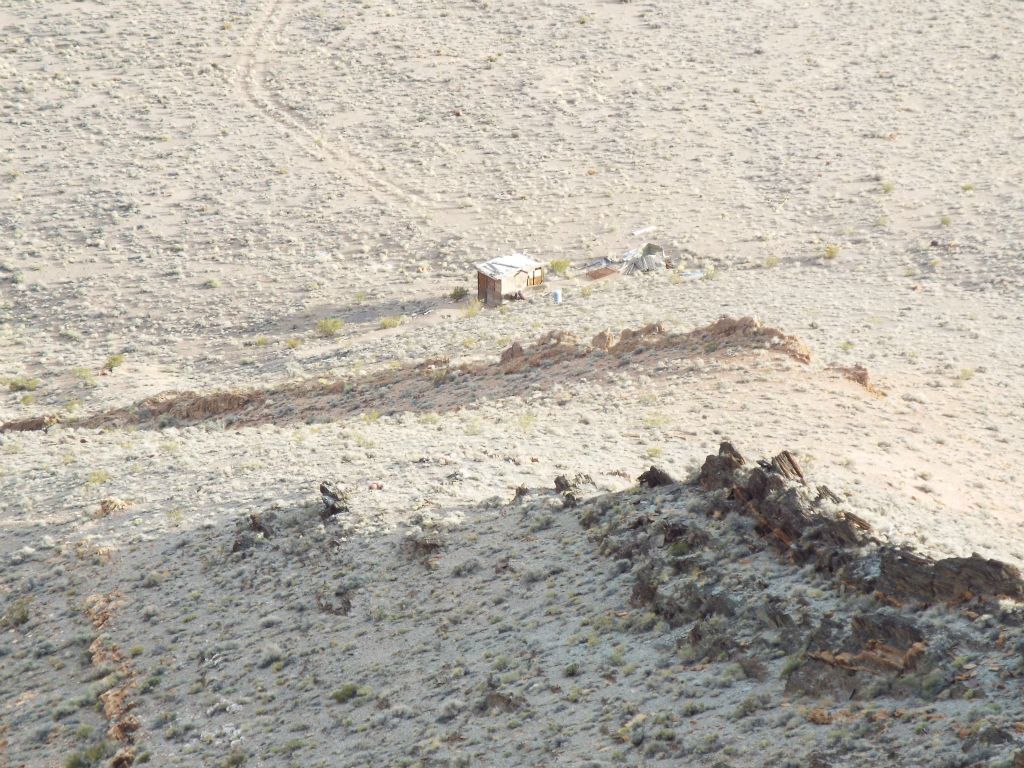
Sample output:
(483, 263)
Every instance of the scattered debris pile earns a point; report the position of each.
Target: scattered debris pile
(646, 258)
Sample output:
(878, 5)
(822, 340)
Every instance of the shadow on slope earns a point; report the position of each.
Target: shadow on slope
(438, 385)
(744, 617)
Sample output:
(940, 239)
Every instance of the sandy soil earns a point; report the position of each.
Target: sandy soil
(188, 191)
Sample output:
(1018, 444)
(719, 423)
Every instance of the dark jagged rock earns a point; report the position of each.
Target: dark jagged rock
(833, 542)
(785, 516)
(252, 529)
(31, 424)
(825, 494)
(710, 639)
(680, 537)
(645, 586)
(989, 736)
(655, 477)
(696, 567)
(719, 471)
(263, 523)
(689, 601)
(340, 605)
(786, 465)
(905, 574)
(244, 541)
(336, 501)
(513, 353)
(422, 545)
(760, 484)
(855, 660)
(572, 489)
(496, 701)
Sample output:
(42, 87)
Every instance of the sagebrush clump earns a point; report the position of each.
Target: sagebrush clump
(328, 327)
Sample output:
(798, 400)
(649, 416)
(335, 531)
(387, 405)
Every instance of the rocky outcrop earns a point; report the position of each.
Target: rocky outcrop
(421, 544)
(725, 561)
(389, 390)
(655, 477)
(719, 471)
(859, 375)
(775, 495)
(512, 353)
(253, 529)
(572, 490)
(32, 424)
(905, 574)
(336, 501)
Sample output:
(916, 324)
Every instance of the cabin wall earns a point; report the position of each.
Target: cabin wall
(488, 290)
(517, 282)
(491, 290)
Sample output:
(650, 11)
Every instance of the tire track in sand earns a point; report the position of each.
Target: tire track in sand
(260, 41)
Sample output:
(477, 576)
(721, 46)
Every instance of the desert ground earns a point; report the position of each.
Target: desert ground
(231, 238)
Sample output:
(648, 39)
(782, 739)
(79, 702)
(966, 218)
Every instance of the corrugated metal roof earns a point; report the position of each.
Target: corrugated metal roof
(508, 265)
(646, 263)
(645, 259)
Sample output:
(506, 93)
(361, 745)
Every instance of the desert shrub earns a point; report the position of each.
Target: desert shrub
(17, 614)
(113, 361)
(98, 477)
(22, 384)
(465, 568)
(560, 266)
(90, 756)
(84, 375)
(792, 664)
(458, 294)
(235, 758)
(346, 693)
(751, 704)
(328, 327)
